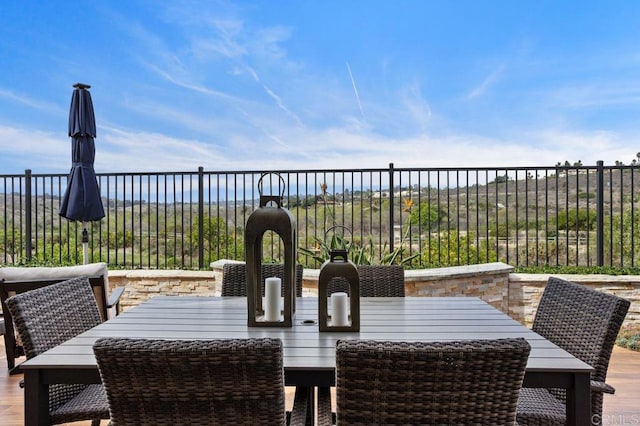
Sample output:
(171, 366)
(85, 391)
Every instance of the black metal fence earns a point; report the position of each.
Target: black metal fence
(421, 217)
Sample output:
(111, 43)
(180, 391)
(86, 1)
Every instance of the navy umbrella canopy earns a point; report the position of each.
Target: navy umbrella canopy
(82, 201)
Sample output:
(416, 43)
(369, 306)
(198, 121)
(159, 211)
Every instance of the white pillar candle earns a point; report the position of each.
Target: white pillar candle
(339, 309)
(272, 299)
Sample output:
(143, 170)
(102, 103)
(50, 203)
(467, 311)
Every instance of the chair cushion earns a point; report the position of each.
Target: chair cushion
(537, 406)
(12, 273)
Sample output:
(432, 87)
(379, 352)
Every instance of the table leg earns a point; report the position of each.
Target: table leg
(579, 400)
(311, 407)
(36, 399)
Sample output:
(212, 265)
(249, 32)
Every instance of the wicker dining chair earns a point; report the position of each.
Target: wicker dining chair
(234, 278)
(48, 316)
(585, 323)
(15, 280)
(375, 281)
(422, 383)
(195, 382)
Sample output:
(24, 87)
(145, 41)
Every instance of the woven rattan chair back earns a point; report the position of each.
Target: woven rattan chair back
(393, 383)
(585, 323)
(16, 280)
(375, 281)
(234, 278)
(48, 316)
(193, 382)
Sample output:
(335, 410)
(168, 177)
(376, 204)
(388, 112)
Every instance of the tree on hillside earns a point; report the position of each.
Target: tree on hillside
(574, 219)
(217, 239)
(453, 249)
(501, 179)
(623, 230)
(568, 164)
(427, 216)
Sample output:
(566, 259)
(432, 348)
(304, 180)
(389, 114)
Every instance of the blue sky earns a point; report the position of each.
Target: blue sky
(301, 84)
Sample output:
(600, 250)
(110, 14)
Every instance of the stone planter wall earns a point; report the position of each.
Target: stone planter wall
(525, 291)
(488, 281)
(144, 284)
(515, 294)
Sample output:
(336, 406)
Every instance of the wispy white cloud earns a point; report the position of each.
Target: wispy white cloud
(31, 102)
(267, 42)
(146, 46)
(122, 150)
(278, 100)
(194, 87)
(281, 104)
(222, 43)
(601, 94)
(222, 32)
(486, 83)
(416, 105)
(404, 128)
(214, 41)
(41, 151)
(252, 73)
(587, 146)
(336, 147)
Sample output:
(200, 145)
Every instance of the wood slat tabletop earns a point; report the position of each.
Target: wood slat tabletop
(395, 319)
(309, 355)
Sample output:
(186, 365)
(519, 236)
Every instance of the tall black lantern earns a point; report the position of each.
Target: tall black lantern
(270, 216)
(338, 266)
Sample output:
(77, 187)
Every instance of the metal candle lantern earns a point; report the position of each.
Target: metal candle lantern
(338, 266)
(270, 216)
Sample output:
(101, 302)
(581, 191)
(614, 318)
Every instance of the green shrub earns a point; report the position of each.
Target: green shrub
(427, 216)
(453, 249)
(629, 337)
(574, 269)
(573, 219)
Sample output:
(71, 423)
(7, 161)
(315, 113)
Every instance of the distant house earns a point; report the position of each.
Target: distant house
(381, 194)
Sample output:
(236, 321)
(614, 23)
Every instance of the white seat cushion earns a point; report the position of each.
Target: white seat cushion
(12, 273)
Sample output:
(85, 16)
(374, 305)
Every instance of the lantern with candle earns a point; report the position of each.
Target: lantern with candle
(270, 216)
(345, 308)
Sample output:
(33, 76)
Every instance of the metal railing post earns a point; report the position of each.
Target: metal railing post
(27, 219)
(200, 217)
(391, 189)
(600, 213)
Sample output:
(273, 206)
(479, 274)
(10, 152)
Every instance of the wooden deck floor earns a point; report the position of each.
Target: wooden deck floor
(623, 408)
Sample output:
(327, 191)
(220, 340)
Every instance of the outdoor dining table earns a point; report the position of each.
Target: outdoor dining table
(309, 355)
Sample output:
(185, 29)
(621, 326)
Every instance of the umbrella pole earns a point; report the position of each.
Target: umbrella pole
(85, 244)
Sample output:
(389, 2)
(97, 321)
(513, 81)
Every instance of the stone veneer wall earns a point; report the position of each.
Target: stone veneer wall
(144, 284)
(525, 291)
(515, 294)
(488, 281)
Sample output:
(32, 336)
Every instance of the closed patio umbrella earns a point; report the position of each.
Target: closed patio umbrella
(81, 201)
